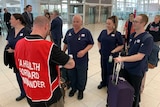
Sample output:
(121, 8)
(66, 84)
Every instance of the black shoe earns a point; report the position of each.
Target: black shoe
(80, 95)
(100, 86)
(20, 98)
(72, 92)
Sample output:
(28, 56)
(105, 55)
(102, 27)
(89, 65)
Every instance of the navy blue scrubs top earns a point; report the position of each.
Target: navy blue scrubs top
(78, 41)
(109, 42)
(12, 40)
(137, 45)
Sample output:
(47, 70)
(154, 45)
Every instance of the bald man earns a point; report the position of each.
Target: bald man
(37, 60)
(78, 41)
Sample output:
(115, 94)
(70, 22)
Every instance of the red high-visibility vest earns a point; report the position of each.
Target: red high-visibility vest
(32, 60)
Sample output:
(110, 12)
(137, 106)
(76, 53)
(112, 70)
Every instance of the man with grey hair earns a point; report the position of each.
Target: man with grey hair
(78, 41)
(56, 28)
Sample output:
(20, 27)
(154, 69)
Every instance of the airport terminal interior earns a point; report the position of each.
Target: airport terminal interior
(94, 14)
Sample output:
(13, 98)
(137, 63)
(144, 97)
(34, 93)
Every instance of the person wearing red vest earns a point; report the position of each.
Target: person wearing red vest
(37, 60)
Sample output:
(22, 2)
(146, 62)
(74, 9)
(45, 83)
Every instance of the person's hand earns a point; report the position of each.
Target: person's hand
(113, 51)
(10, 50)
(118, 59)
(80, 54)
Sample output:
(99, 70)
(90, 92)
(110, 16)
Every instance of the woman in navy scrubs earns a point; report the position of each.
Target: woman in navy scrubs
(110, 43)
(16, 33)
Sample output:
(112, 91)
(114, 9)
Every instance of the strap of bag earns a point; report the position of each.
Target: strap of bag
(116, 69)
(147, 35)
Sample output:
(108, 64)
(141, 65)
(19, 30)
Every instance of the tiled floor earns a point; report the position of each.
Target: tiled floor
(92, 96)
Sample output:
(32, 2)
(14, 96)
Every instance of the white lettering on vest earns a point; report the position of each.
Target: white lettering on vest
(30, 75)
(34, 83)
(27, 73)
(30, 65)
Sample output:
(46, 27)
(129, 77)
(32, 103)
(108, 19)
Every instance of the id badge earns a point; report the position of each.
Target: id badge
(110, 58)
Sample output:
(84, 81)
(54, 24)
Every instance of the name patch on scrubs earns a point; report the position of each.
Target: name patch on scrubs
(113, 35)
(82, 35)
(137, 41)
(21, 34)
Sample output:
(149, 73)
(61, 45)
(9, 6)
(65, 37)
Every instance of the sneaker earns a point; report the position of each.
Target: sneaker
(72, 92)
(80, 95)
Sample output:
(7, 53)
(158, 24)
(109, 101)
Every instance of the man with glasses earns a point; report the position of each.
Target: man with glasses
(135, 62)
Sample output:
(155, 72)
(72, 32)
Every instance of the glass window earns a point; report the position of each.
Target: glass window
(64, 1)
(76, 1)
(153, 1)
(92, 1)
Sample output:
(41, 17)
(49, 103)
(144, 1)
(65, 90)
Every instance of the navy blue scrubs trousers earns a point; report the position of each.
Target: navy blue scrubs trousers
(78, 76)
(107, 70)
(20, 82)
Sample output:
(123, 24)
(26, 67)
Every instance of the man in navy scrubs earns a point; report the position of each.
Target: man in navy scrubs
(78, 41)
(136, 62)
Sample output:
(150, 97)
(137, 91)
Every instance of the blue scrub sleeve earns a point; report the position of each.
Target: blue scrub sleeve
(119, 39)
(146, 46)
(65, 38)
(100, 36)
(90, 38)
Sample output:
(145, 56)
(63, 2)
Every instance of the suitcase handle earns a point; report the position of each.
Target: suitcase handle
(116, 69)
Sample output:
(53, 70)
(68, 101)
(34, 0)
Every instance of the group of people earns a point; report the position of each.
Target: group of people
(37, 61)
(37, 71)
(27, 16)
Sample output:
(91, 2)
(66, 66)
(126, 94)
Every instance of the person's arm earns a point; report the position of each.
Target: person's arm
(119, 42)
(125, 27)
(10, 50)
(81, 53)
(70, 64)
(99, 45)
(117, 49)
(53, 24)
(60, 58)
(64, 47)
(132, 58)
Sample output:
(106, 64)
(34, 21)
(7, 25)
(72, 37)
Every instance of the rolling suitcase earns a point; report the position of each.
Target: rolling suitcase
(120, 92)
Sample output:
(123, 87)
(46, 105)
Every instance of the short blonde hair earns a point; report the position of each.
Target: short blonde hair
(158, 16)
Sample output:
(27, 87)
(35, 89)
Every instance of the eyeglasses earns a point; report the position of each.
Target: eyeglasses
(135, 21)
